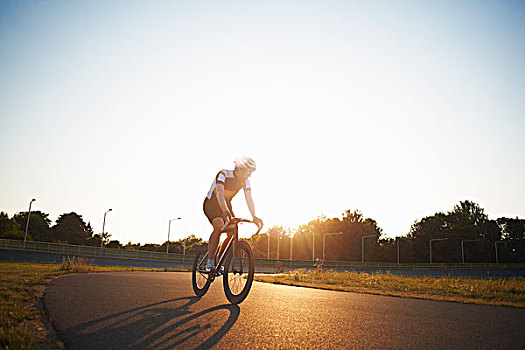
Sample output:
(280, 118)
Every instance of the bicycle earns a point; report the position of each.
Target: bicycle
(237, 259)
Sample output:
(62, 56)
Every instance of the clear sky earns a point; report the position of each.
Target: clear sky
(397, 108)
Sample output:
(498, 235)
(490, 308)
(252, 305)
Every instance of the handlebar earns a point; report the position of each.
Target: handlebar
(233, 222)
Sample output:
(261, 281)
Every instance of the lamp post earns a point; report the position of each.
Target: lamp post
(462, 249)
(27, 222)
(313, 246)
(397, 241)
(169, 226)
(103, 228)
(430, 243)
(324, 238)
(363, 246)
(184, 249)
(278, 241)
(268, 245)
(496, 249)
(185, 237)
(291, 246)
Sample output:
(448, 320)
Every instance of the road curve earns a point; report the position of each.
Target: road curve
(158, 310)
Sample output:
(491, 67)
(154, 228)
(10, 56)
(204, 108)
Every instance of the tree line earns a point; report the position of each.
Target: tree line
(466, 222)
(71, 228)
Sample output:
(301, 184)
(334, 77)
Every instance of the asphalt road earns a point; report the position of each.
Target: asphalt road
(158, 310)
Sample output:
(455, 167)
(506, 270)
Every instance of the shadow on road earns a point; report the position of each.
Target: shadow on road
(162, 325)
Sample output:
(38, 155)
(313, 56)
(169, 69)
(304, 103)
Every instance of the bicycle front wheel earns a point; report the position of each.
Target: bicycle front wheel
(199, 280)
(239, 269)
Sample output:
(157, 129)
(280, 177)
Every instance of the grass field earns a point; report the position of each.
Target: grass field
(22, 320)
(491, 291)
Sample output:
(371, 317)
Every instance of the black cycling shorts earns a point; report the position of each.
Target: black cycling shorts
(213, 210)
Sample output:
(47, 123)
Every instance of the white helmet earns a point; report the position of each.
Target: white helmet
(245, 163)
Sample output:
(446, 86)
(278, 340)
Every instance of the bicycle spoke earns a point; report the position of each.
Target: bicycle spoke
(236, 277)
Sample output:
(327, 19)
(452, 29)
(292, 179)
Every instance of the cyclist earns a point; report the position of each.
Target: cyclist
(217, 205)
(279, 265)
(319, 264)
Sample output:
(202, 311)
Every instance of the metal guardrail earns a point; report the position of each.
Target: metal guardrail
(357, 265)
(96, 252)
(92, 252)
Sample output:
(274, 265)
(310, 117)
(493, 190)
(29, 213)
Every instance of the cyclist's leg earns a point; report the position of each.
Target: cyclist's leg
(213, 213)
(219, 227)
(217, 223)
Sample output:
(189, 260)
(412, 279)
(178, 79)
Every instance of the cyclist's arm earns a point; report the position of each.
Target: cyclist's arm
(220, 197)
(249, 201)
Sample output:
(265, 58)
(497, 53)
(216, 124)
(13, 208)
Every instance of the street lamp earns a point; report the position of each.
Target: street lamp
(184, 249)
(324, 238)
(185, 238)
(268, 233)
(496, 249)
(291, 246)
(103, 228)
(462, 250)
(27, 222)
(278, 240)
(430, 243)
(313, 246)
(397, 241)
(169, 226)
(363, 246)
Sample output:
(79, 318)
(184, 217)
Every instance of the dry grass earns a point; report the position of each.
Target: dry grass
(22, 321)
(492, 291)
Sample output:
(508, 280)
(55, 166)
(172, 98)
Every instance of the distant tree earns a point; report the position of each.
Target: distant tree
(39, 225)
(467, 221)
(353, 233)
(470, 214)
(308, 238)
(386, 251)
(192, 243)
(513, 233)
(347, 246)
(131, 246)
(71, 228)
(9, 227)
(430, 227)
(105, 237)
(260, 243)
(152, 247)
(93, 241)
(114, 244)
(177, 247)
(512, 229)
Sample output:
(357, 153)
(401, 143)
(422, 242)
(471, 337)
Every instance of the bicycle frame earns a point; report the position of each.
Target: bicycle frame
(230, 241)
(237, 267)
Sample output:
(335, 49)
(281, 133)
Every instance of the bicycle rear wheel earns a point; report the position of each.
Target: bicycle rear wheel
(200, 281)
(239, 269)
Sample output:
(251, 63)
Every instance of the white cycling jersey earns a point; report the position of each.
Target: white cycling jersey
(232, 185)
